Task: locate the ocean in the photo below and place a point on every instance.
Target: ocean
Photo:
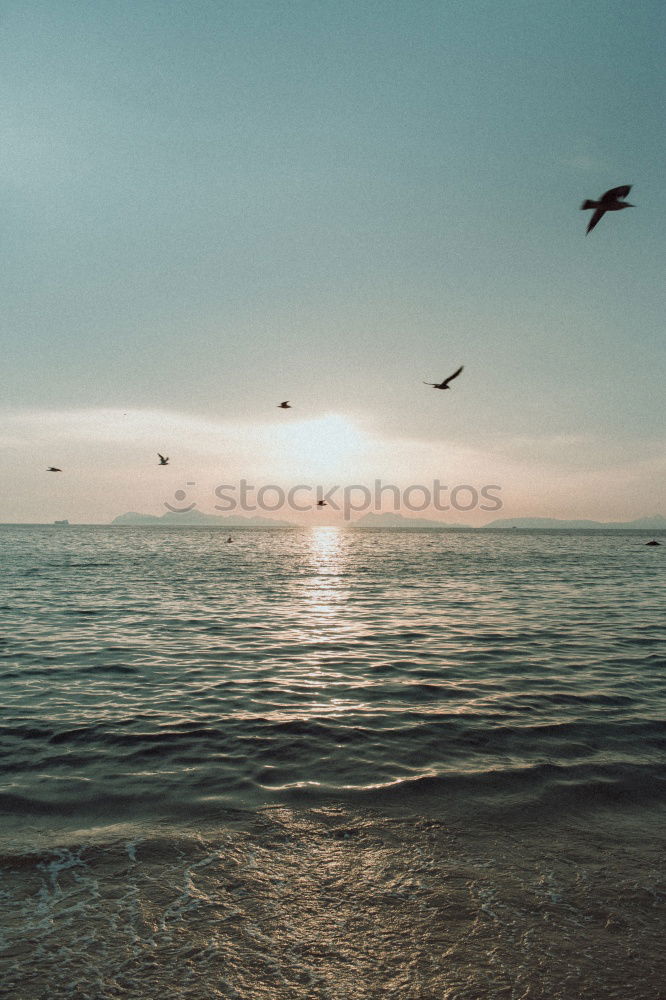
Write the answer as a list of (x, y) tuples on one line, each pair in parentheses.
[(331, 764)]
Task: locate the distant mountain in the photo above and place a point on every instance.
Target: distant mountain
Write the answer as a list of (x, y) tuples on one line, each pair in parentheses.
[(387, 520), (133, 518), (656, 522), (196, 517), (399, 521)]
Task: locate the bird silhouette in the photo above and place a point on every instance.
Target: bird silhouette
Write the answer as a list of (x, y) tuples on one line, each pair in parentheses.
[(52, 468), (163, 460), (445, 383), (653, 542), (611, 201), (284, 406), (229, 539), (321, 503)]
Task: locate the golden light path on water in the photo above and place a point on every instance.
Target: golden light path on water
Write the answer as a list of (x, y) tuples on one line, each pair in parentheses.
[(323, 611), (330, 626)]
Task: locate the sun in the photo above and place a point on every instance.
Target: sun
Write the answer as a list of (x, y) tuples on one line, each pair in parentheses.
[(326, 446)]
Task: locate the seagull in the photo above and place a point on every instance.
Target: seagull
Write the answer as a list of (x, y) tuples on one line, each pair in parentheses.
[(609, 202), (52, 468), (321, 503), (445, 383), (163, 460), (284, 406)]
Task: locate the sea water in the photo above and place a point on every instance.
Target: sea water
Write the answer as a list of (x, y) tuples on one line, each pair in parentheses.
[(331, 764)]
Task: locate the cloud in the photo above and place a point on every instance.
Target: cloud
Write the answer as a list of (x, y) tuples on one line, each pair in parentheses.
[(109, 458)]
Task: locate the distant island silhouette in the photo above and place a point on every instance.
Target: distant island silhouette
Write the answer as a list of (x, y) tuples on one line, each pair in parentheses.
[(390, 520), (195, 517)]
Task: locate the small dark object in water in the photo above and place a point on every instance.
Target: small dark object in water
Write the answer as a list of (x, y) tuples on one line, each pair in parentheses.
[(653, 542)]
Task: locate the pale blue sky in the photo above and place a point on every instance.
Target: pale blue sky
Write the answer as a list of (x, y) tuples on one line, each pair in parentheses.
[(212, 206)]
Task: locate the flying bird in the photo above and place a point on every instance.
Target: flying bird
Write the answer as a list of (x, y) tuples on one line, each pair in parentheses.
[(52, 468), (163, 460), (285, 406), (321, 503), (611, 201), (445, 383)]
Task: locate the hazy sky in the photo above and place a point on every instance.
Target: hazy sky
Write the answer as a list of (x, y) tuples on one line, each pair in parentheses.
[(209, 207)]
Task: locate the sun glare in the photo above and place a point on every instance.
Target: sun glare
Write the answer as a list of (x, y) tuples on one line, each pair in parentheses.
[(326, 446), (325, 545)]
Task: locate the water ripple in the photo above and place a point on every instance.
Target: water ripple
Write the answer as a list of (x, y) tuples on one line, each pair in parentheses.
[(161, 668)]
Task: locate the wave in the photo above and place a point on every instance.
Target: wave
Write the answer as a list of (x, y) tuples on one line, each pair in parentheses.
[(527, 789)]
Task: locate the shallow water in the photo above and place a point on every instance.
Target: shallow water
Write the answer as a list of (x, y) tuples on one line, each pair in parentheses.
[(338, 903), (331, 764)]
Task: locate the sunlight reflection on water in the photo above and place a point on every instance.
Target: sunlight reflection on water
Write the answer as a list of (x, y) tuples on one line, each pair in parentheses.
[(187, 670)]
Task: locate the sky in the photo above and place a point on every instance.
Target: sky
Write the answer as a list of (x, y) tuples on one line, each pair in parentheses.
[(214, 206)]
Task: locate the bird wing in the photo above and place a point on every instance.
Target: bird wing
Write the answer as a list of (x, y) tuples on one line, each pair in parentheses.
[(455, 375), (284, 402), (595, 218), (162, 458), (433, 384), (616, 193)]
